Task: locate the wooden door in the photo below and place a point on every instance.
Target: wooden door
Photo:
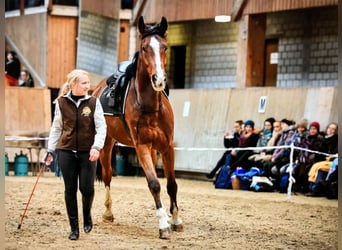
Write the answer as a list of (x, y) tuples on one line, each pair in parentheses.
[(271, 62)]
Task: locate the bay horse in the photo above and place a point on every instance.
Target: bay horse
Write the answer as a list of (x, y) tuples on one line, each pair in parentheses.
[(149, 125)]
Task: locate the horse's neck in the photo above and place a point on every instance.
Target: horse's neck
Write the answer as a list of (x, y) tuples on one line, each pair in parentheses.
[(148, 99)]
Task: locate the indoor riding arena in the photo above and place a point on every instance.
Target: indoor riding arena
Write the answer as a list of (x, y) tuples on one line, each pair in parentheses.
[(198, 68)]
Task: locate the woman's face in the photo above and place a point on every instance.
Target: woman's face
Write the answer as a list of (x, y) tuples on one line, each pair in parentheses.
[(267, 126), (81, 87), (236, 127), (300, 129), (313, 130), (9, 56), (276, 127), (248, 129), (331, 129)]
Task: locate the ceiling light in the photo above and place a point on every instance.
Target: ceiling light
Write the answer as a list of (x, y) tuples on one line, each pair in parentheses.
[(222, 19)]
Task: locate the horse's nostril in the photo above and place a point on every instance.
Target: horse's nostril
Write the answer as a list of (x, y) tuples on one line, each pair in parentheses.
[(154, 78)]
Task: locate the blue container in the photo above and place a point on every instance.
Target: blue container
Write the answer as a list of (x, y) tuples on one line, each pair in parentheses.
[(120, 165), (20, 164), (6, 164)]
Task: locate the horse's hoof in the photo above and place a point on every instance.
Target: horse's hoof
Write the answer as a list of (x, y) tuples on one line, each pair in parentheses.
[(177, 228), (164, 233), (107, 218)]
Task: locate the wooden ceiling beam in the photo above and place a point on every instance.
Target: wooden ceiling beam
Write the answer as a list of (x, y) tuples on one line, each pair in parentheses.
[(238, 6)]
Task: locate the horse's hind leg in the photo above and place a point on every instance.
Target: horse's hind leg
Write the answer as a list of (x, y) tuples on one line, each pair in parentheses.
[(168, 163), (105, 159)]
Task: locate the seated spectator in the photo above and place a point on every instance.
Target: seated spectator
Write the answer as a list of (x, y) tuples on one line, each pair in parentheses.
[(230, 140), (265, 136), (280, 156), (25, 79), (319, 171), (266, 155), (313, 141), (12, 69), (248, 138)]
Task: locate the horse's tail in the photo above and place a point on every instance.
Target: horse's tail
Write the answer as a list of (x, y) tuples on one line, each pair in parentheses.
[(99, 171)]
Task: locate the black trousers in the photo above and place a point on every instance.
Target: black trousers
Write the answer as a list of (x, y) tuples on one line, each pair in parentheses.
[(75, 166)]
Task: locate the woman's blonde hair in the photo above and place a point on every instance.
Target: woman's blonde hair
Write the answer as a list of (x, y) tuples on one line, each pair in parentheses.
[(72, 78)]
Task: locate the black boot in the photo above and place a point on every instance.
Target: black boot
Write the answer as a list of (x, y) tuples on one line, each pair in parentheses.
[(213, 172), (87, 221), (72, 210)]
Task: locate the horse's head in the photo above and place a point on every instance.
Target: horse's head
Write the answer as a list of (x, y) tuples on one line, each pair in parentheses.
[(153, 51)]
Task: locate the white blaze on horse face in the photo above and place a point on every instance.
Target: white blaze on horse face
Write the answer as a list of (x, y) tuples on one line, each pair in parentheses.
[(158, 80)]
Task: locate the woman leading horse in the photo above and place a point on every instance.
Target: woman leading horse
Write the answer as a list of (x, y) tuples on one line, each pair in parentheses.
[(148, 124)]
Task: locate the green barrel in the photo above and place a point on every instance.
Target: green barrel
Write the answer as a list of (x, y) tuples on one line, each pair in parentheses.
[(20, 164), (6, 164), (120, 165)]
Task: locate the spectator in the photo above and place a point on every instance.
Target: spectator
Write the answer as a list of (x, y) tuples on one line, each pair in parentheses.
[(230, 140), (248, 138), (280, 156), (239, 162), (319, 171), (313, 141), (266, 155), (264, 137), (12, 69), (25, 79)]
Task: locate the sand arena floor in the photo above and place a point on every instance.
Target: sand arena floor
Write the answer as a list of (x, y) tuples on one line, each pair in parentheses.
[(213, 219)]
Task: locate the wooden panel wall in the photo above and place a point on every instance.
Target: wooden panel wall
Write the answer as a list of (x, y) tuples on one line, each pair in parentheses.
[(123, 41), (180, 10), (61, 53), (27, 109), (107, 8), (256, 6), (28, 33), (255, 50)]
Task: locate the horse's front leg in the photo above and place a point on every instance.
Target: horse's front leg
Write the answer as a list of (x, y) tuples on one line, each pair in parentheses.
[(168, 158), (105, 159), (145, 158)]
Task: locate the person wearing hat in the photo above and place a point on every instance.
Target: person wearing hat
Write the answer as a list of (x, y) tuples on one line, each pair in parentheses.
[(313, 141), (267, 138), (248, 138)]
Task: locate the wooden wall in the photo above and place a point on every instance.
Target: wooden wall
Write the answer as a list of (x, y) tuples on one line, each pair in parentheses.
[(61, 49), (28, 33), (107, 8), (180, 10), (27, 109), (256, 6)]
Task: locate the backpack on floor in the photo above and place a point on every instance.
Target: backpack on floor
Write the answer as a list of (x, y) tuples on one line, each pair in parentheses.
[(223, 179)]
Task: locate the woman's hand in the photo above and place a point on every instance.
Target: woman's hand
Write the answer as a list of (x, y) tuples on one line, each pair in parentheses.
[(94, 154), (48, 158)]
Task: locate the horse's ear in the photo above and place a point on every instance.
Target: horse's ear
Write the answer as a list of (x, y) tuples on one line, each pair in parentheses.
[(163, 26), (141, 25)]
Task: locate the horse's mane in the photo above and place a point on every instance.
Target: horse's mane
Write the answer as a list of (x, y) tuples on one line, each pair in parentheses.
[(132, 68), (153, 29)]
